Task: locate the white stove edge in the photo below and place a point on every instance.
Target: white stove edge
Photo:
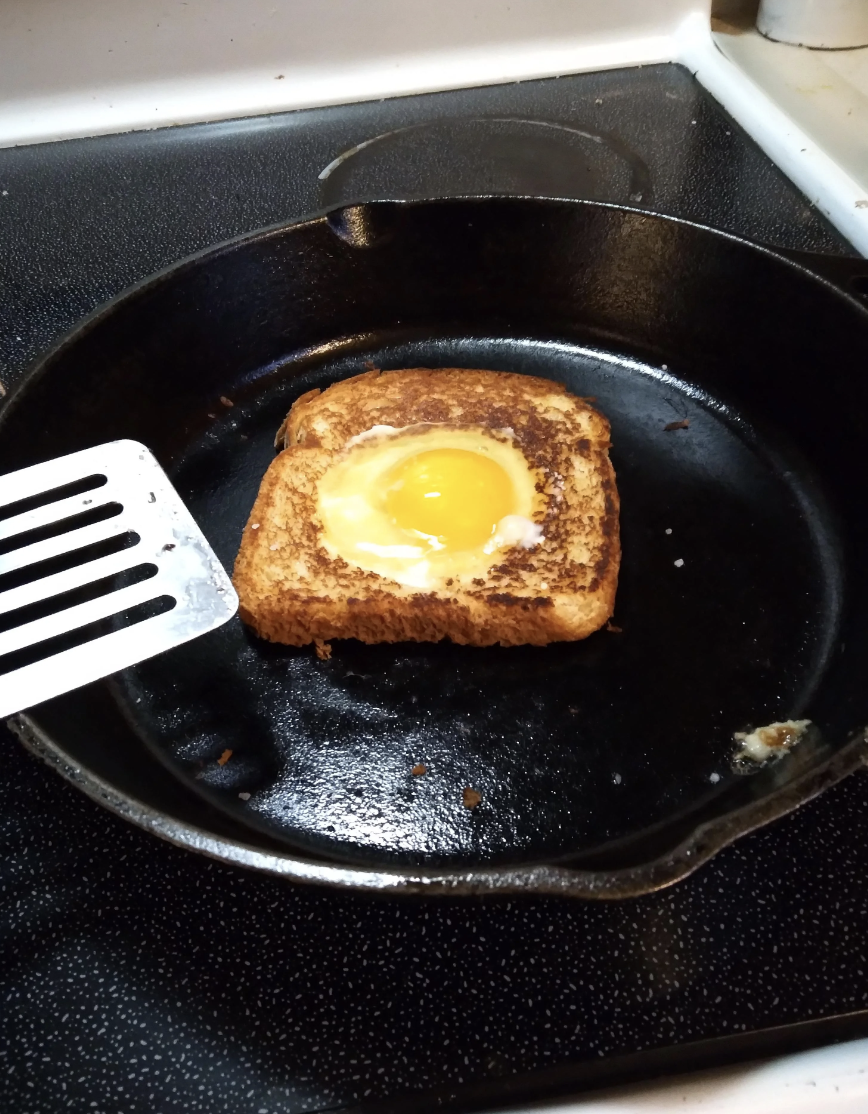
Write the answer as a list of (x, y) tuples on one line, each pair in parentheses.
[(72, 68), (832, 1080), (837, 194), (113, 67)]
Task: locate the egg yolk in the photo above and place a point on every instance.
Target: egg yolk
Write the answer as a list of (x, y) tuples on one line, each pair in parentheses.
[(454, 495)]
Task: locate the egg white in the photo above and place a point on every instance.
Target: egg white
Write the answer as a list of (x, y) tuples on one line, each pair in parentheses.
[(356, 527)]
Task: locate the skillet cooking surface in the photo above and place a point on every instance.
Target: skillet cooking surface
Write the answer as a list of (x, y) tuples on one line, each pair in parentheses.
[(736, 530), (570, 745)]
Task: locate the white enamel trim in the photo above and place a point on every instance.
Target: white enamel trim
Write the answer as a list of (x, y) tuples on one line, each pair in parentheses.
[(837, 194), (832, 1080)]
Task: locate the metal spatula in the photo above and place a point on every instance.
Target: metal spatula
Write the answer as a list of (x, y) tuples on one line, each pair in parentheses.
[(101, 566)]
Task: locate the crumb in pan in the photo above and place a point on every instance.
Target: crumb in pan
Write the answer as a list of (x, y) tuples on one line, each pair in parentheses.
[(769, 743), (471, 797)]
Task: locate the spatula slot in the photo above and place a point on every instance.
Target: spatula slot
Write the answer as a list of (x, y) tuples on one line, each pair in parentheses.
[(132, 616), (69, 560), (92, 591), (64, 526), (44, 498)]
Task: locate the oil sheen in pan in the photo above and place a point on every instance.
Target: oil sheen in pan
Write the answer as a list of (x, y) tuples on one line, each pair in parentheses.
[(570, 747)]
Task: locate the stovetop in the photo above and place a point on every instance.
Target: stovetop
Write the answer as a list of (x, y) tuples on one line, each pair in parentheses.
[(138, 977)]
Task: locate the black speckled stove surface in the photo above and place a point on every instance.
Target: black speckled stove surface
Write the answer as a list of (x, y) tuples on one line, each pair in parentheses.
[(137, 977)]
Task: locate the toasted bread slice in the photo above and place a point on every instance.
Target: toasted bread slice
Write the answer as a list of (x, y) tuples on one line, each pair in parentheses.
[(294, 590)]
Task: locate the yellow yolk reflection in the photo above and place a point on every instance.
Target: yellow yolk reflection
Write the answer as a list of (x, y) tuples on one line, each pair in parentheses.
[(454, 495)]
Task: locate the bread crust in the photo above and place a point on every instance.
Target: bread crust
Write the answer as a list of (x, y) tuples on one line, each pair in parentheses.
[(291, 590)]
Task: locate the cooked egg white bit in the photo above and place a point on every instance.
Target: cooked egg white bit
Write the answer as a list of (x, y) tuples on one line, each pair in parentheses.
[(375, 433), (410, 503), (514, 529), (767, 744)]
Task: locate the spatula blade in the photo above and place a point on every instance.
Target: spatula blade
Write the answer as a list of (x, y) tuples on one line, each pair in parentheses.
[(101, 566)]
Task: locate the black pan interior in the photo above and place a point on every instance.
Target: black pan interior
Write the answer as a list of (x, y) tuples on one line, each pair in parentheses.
[(734, 606)]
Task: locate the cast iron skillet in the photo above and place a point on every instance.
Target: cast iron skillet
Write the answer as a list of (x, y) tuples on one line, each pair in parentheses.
[(604, 766)]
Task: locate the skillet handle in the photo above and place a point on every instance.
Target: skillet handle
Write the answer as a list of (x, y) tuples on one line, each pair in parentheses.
[(849, 273)]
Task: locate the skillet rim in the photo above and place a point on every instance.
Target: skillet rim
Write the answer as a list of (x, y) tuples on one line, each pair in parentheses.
[(702, 844), (801, 261)]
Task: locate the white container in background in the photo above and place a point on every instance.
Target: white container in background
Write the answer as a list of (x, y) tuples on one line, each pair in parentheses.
[(821, 24)]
